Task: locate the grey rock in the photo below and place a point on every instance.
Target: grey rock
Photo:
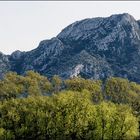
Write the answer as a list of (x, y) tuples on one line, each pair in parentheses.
[(16, 55), (94, 48), (4, 64)]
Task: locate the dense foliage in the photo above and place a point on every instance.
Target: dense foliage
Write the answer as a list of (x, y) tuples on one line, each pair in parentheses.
[(37, 108)]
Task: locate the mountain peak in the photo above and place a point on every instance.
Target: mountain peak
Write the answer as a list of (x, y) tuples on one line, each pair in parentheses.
[(89, 28), (94, 48), (122, 15), (17, 54), (128, 18)]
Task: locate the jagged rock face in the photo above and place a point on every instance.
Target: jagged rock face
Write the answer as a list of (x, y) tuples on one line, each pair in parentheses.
[(94, 48), (16, 55), (4, 64), (44, 56)]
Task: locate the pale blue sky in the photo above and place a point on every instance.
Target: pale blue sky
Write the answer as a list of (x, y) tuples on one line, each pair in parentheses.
[(24, 24)]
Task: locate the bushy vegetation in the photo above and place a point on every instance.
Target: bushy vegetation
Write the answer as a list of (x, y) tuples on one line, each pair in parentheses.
[(33, 107)]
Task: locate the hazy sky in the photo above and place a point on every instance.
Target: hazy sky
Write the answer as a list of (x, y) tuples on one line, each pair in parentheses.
[(24, 24)]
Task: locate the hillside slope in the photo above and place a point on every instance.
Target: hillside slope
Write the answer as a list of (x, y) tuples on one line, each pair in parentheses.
[(94, 48)]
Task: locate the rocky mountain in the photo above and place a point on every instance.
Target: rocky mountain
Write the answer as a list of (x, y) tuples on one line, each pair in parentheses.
[(4, 64), (94, 48)]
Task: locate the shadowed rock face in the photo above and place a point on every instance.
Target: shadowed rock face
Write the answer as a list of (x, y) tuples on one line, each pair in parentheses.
[(4, 64), (94, 48)]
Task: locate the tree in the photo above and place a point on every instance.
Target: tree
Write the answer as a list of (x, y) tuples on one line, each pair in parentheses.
[(71, 114), (79, 84), (120, 90), (35, 84), (76, 112), (11, 86), (115, 122), (56, 83)]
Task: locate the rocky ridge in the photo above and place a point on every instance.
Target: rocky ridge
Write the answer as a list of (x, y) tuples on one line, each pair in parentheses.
[(94, 48)]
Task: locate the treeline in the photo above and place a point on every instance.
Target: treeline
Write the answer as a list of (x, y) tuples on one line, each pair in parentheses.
[(35, 108)]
